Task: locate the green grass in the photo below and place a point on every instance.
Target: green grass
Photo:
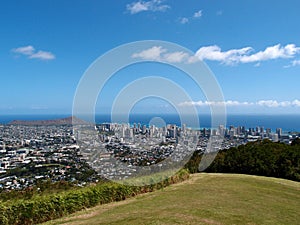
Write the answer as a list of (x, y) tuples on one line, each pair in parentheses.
[(203, 199)]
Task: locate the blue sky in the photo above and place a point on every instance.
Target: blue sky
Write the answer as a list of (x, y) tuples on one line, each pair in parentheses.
[(252, 47)]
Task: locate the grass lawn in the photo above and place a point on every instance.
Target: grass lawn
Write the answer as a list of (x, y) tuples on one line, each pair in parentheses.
[(203, 199)]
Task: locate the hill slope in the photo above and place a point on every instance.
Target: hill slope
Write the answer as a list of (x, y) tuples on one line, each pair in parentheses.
[(204, 199)]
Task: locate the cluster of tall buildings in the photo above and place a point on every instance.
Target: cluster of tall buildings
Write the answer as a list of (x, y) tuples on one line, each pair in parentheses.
[(127, 131), (252, 134)]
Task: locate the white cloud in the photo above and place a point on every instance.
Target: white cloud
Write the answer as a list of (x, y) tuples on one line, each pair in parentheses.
[(176, 57), (293, 63), (273, 103), (198, 14), (42, 55), (296, 63), (137, 7), (263, 103), (229, 57), (141, 6), (214, 103), (192, 59), (184, 20), (215, 53), (26, 50), (273, 52), (296, 102), (243, 55), (153, 53), (158, 53), (33, 54)]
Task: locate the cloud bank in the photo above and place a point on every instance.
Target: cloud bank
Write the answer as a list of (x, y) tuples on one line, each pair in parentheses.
[(264, 103), (229, 57), (246, 55)]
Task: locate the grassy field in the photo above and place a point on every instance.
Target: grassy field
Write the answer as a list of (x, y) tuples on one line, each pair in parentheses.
[(204, 199)]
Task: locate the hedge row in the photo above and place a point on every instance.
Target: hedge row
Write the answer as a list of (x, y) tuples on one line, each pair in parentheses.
[(43, 208)]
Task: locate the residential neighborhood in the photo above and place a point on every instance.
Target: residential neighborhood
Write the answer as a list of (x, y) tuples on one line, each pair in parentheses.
[(29, 153)]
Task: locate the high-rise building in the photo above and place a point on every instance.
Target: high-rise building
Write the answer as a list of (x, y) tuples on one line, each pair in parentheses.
[(268, 132), (183, 128), (144, 129), (262, 130), (279, 132), (221, 130), (274, 137), (172, 130)]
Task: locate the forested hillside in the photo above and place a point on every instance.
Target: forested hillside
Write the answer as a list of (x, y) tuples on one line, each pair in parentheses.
[(264, 158)]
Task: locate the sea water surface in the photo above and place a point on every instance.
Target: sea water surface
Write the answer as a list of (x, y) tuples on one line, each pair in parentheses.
[(286, 122)]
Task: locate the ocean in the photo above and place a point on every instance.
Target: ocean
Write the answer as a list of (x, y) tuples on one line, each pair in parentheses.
[(286, 122)]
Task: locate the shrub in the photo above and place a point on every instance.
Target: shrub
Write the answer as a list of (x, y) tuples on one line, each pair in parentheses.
[(43, 208)]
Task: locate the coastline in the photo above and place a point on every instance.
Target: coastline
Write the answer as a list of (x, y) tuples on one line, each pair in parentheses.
[(288, 122)]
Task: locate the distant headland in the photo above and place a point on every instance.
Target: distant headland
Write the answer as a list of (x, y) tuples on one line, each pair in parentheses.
[(64, 121)]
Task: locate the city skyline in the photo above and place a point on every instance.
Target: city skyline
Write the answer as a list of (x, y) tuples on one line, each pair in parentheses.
[(252, 48)]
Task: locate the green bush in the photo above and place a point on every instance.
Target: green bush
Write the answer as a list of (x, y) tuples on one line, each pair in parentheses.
[(39, 209)]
